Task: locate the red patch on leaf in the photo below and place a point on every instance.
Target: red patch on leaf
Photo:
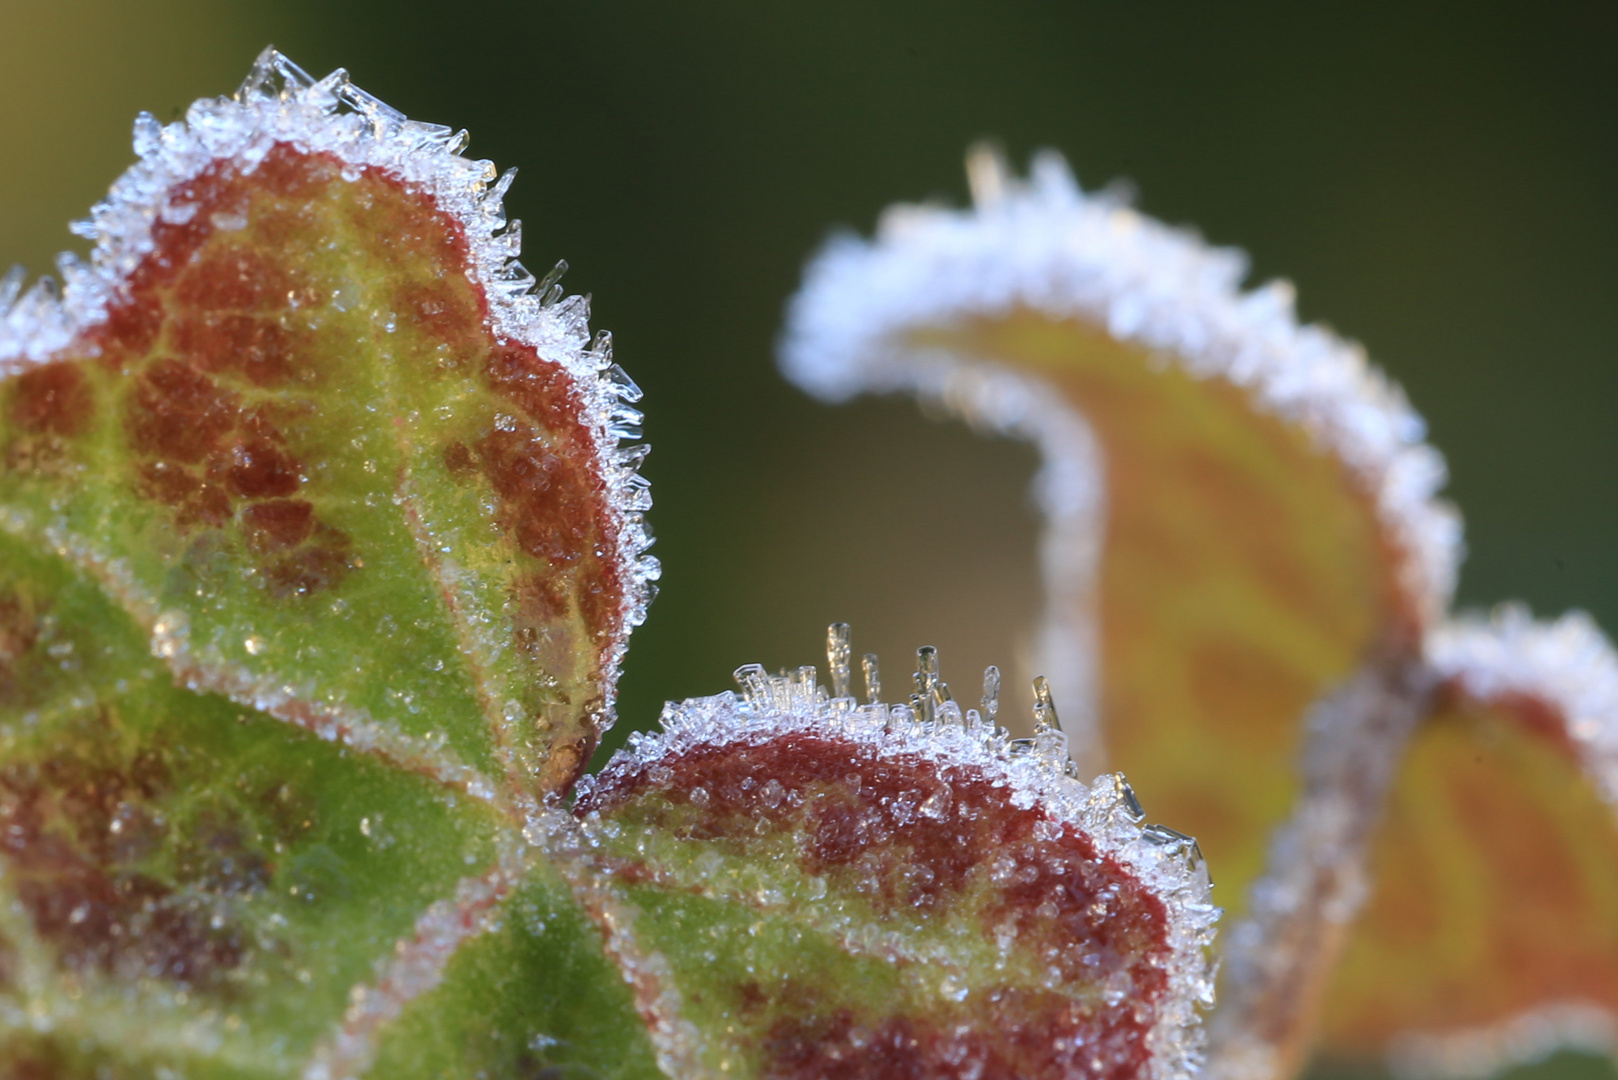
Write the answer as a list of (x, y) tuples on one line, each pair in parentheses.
[(878, 820), (547, 500), (905, 834), (76, 831), (278, 524), (259, 469), (445, 313), (236, 279), (255, 347), (19, 630), (53, 399), (1009, 1035), (180, 415), (319, 564)]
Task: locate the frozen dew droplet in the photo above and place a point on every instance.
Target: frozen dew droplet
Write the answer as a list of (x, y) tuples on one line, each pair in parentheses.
[(255, 645), (839, 649), (873, 679)]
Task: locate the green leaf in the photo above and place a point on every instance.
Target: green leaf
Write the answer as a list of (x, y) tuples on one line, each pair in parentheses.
[(187, 879)]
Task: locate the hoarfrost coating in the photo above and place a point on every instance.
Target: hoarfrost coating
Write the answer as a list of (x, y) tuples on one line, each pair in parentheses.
[(1035, 774), (1046, 245), (280, 103)]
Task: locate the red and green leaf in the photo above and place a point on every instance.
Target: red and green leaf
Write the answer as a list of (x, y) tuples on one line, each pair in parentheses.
[(842, 891), (317, 561)]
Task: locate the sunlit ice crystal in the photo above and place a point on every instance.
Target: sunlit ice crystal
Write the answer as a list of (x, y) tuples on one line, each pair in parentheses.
[(1029, 924)]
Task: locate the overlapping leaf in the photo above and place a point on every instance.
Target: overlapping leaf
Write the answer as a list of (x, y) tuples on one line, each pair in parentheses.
[(1492, 937)]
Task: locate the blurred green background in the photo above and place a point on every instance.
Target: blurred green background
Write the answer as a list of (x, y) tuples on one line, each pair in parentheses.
[(1440, 181)]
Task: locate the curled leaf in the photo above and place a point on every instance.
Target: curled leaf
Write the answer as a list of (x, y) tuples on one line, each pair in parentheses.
[(1240, 522), (842, 890), (1239, 509)]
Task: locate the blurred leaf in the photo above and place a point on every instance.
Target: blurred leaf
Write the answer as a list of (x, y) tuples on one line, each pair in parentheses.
[(1492, 935)]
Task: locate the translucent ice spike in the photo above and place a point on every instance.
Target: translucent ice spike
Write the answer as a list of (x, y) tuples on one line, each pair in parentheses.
[(873, 678), (838, 651), (1044, 707), (991, 694)]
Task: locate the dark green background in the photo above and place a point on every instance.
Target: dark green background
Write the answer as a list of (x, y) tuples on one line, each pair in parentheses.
[(1440, 181)]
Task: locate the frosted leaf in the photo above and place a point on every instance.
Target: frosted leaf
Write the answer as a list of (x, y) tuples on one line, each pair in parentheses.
[(1489, 940), (296, 250), (833, 888), (1241, 528), (318, 559)]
